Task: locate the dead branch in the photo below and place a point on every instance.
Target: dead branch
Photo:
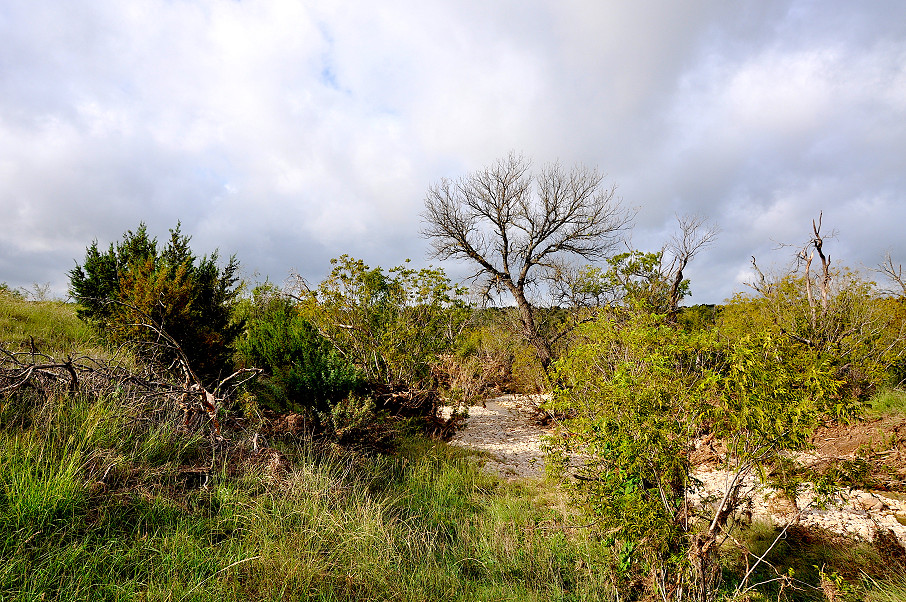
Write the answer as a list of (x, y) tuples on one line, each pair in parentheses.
[(195, 398), (51, 376), (695, 233), (894, 273)]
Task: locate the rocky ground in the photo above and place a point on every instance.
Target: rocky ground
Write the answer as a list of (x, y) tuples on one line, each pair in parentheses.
[(507, 431)]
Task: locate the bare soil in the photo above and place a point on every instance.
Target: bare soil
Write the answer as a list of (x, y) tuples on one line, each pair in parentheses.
[(506, 430)]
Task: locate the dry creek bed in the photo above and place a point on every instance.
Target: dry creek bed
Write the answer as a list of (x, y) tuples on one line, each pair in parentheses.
[(505, 429)]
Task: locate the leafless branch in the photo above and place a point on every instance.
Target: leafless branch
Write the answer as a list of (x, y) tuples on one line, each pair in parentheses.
[(509, 224), (893, 272), (695, 233)]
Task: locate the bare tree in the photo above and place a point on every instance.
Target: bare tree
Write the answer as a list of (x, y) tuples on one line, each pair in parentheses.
[(514, 226), (894, 273), (695, 233), (821, 320)]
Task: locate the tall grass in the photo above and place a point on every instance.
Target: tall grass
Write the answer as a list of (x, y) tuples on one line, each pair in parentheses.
[(886, 402), (321, 524), (893, 592), (51, 325)]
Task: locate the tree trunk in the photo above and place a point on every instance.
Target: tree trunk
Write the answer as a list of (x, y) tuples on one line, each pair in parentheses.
[(527, 316)]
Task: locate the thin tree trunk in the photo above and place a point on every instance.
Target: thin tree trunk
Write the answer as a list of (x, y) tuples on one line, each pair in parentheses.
[(527, 316)]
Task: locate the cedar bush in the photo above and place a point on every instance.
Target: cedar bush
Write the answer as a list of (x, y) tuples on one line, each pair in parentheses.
[(135, 289), (304, 372)]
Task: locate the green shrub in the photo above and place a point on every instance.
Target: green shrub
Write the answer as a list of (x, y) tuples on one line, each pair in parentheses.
[(304, 372), (392, 325), (490, 356), (858, 332), (888, 401), (134, 290), (638, 392)]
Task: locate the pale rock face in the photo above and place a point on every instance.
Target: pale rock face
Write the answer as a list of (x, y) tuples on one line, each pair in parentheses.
[(503, 428)]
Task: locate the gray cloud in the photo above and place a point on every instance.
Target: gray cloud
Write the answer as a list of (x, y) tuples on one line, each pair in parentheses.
[(291, 132)]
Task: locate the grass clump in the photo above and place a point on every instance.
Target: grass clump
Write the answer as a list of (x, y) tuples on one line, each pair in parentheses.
[(888, 402)]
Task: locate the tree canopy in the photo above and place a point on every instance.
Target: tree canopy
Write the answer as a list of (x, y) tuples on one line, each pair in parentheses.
[(518, 228)]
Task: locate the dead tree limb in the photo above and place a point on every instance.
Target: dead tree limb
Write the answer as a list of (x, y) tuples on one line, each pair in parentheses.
[(695, 233), (894, 273)]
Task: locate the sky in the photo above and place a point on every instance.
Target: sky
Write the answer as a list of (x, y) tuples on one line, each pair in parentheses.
[(291, 132)]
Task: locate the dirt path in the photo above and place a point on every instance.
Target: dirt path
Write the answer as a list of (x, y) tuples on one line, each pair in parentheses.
[(504, 429)]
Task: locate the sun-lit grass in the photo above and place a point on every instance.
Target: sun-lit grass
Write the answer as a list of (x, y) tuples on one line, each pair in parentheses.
[(424, 523), (888, 401), (52, 325)]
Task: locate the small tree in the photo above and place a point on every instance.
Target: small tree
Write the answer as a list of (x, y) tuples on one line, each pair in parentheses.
[(894, 307), (134, 290), (391, 325), (695, 233), (303, 371), (655, 281), (633, 280), (894, 274), (639, 392), (516, 228)]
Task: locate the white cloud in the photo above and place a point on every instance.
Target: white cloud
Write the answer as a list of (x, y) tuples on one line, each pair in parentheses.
[(292, 131)]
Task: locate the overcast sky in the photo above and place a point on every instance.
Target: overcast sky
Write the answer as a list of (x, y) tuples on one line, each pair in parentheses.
[(290, 132)]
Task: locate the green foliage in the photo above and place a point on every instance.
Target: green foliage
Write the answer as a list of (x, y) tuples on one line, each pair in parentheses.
[(391, 325), (699, 317), (639, 280), (304, 372), (634, 279), (888, 401), (6, 291), (135, 288), (859, 333), (806, 559), (351, 416), (637, 392), (637, 396), (892, 340), (490, 356)]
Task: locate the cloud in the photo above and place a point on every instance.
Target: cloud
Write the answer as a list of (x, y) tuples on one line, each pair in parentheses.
[(290, 132)]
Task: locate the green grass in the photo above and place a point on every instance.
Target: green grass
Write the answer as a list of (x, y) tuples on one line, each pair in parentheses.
[(863, 571), (887, 402), (891, 592), (425, 523), (52, 325)]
